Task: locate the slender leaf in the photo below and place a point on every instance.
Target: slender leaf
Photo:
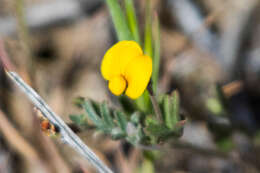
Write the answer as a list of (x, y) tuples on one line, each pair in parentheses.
[(167, 111), (148, 44), (121, 120), (132, 20), (135, 118), (105, 113), (117, 133), (119, 20), (92, 114), (160, 133), (143, 102), (78, 119), (175, 108), (156, 57)]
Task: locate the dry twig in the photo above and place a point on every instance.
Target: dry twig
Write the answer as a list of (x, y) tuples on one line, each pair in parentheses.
[(67, 134)]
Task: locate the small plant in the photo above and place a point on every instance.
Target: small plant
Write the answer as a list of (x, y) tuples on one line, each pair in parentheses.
[(134, 126), (145, 117)]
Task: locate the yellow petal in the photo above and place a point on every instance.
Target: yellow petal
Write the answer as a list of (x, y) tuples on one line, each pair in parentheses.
[(138, 73), (117, 58), (117, 85)]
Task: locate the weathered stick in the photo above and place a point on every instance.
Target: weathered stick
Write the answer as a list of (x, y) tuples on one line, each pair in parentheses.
[(67, 134)]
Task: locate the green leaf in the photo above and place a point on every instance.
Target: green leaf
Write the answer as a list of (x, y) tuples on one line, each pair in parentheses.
[(132, 20), (135, 118), (105, 114), (158, 130), (171, 110), (117, 133), (96, 107), (78, 119), (134, 133), (156, 57), (167, 111), (148, 42), (121, 120), (119, 20), (92, 113), (143, 102), (175, 108)]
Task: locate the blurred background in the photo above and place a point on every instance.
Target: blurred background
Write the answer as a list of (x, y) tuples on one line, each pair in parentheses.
[(210, 52)]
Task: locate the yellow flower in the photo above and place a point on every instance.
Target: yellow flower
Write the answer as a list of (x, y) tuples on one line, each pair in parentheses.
[(127, 69)]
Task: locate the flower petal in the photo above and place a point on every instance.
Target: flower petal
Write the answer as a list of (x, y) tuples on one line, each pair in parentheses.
[(117, 58), (138, 73), (117, 85)]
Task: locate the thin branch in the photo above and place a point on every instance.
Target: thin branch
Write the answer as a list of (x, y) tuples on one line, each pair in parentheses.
[(67, 134)]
